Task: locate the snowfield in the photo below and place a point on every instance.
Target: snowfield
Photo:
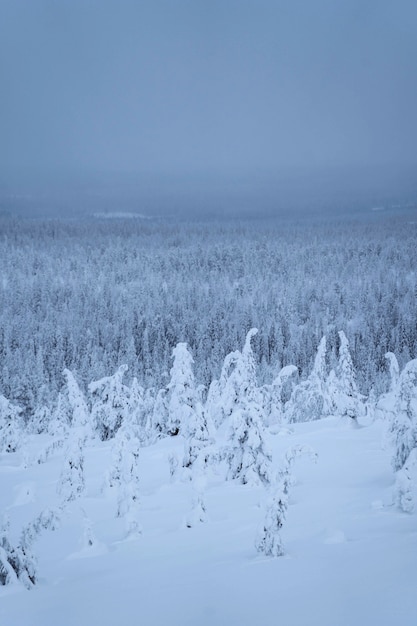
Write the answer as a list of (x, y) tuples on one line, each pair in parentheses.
[(350, 555)]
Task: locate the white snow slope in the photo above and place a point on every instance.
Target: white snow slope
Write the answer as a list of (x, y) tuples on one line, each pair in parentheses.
[(351, 556)]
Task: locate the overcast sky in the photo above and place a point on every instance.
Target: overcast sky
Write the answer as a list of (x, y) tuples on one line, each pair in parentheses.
[(207, 86)]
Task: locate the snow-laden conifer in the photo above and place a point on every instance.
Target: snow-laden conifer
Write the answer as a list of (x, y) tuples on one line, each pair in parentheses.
[(272, 403), (18, 563), (178, 408), (345, 399), (403, 425), (402, 435), (185, 411), (140, 407), (71, 482), (60, 421), (198, 512), (124, 477), (218, 401), (183, 404), (246, 451), (11, 426), (157, 424), (269, 540), (80, 415), (394, 370), (309, 400), (248, 455), (71, 408), (385, 405), (404, 483), (110, 403), (237, 381)]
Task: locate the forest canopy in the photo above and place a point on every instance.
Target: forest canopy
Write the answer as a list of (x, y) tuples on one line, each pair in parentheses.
[(92, 294)]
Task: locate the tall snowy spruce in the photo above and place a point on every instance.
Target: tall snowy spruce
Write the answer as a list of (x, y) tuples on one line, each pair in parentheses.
[(71, 482), (403, 435), (247, 453), (178, 409), (185, 414), (394, 370), (80, 415), (272, 402), (219, 399), (385, 403), (11, 426), (110, 403), (345, 399), (269, 540), (237, 381), (124, 476), (141, 403), (71, 409), (309, 400)]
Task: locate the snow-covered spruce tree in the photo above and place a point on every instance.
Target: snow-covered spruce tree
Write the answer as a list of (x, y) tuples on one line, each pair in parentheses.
[(345, 399), (198, 513), (178, 409), (394, 370), (141, 403), (89, 539), (404, 484), (218, 401), (18, 563), (242, 381), (71, 482), (11, 427), (184, 408), (41, 421), (385, 405), (247, 454), (402, 433), (60, 421), (198, 434), (403, 426), (246, 451), (269, 540), (157, 424), (171, 402), (309, 400), (272, 404), (80, 415), (185, 411), (71, 409), (125, 476), (110, 403), (237, 381)]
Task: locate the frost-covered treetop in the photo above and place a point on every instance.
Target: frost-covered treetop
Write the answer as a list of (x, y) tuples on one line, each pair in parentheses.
[(182, 369), (101, 387)]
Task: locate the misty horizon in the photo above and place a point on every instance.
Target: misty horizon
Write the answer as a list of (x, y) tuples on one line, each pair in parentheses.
[(271, 101)]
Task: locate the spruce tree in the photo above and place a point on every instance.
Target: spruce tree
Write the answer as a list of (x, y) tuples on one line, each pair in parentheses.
[(110, 403), (11, 426)]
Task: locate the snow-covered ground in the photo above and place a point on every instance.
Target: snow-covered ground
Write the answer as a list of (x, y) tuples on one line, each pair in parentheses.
[(350, 554)]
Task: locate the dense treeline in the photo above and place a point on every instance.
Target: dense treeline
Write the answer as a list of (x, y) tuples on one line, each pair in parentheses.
[(89, 295)]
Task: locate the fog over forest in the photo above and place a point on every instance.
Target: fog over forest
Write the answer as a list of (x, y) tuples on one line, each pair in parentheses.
[(173, 106)]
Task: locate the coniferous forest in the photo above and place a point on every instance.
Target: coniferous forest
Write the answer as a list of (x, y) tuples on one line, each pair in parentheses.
[(92, 294)]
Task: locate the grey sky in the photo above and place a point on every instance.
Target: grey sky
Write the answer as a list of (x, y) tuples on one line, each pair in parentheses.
[(219, 86)]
